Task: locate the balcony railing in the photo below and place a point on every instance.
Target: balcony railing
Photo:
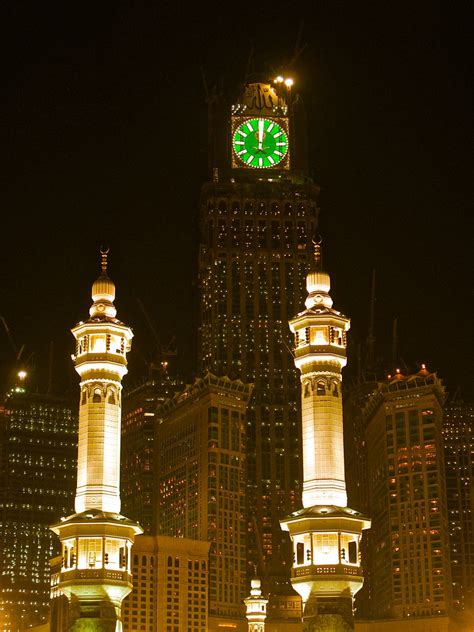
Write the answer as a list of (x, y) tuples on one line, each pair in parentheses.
[(95, 574), (316, 569)]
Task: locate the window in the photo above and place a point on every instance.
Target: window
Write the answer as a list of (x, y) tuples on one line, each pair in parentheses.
[(300, 553)]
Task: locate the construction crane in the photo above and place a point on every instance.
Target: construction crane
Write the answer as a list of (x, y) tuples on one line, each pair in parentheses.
[(163, 354)]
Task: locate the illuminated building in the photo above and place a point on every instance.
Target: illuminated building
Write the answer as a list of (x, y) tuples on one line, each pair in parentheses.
[(137, 458), (170, 586), (38, 449), (200, 467), (409, 566), (256, 607), (325, 533), (458, 433), (96, 541), (257, 216)]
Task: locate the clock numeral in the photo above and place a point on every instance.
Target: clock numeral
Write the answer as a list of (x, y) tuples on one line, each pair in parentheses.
[(241, 142), (260, 162), (242, 151), (239, 131), (281, 144), (278, 153), (249, 159), (278, 134), (249, 125), (270, 160)]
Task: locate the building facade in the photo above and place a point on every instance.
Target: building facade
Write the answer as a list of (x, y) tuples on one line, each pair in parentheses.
[(137, 481), (170, 585), (410, 568), (38, 452), (200, 452), (258, 214), (458, 433)]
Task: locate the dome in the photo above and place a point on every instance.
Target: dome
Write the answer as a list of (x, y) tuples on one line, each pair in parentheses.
[(103, 293), (103, 289), (318, 281), (255, 582)]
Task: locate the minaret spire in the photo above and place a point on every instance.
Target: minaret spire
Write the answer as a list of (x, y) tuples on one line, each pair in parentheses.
[(318, 260), (325, 533), (104, 251)]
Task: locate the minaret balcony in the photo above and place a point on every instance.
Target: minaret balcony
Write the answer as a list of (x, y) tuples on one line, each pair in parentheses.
[(95, 575), (325, 349), (330, 570), (102, 356)]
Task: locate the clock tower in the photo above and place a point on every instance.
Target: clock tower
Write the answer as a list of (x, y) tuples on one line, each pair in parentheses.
[(258, 213)]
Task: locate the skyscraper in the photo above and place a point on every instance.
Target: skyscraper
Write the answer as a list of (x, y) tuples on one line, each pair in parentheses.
[(458, 434), (38, 451), (200, 479), (257, 217), (410, 570), (95, 573), (137, 480), (325, 533)]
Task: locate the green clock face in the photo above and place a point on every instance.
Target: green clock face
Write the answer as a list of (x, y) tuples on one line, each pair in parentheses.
[(260, 143)]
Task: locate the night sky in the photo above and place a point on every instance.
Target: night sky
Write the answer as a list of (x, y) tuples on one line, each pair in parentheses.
[(103, 137)]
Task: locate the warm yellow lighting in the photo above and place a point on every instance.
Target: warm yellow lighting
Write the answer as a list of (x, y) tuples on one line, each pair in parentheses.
[(289, 83), (278, 79), (22, 375)]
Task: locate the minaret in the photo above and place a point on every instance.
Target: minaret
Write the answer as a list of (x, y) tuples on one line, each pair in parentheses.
[(95, 571), (256, 607), (325, 533)]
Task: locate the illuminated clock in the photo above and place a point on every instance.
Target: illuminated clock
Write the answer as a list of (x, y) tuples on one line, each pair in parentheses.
[(260, 143)]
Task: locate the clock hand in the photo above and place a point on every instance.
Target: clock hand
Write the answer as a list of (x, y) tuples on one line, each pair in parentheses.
[(260, 133)]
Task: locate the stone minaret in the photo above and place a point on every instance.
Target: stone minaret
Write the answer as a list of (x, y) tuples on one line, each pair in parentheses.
[(325, 533), (256, 607), (95, 571)]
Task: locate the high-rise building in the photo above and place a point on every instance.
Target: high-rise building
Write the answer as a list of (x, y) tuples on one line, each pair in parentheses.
[(257, 218), (95, 573), (170, 585), (458, 433), (137, 458), (409, 566), (355, 399), (325, 533), (38, 451), (200, 480)]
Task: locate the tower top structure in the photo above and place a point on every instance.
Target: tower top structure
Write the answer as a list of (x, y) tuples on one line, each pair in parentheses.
[(103, 292), (256, 607)]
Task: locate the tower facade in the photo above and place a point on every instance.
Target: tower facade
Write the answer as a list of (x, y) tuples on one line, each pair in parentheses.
[(325, 533), (257, 215), (95, 574), (137, 480), (410, 571), (38, 445), (458, 434), (200, 480)]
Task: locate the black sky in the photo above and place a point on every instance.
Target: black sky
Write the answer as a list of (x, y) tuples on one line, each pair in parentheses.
[(103, 135)]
